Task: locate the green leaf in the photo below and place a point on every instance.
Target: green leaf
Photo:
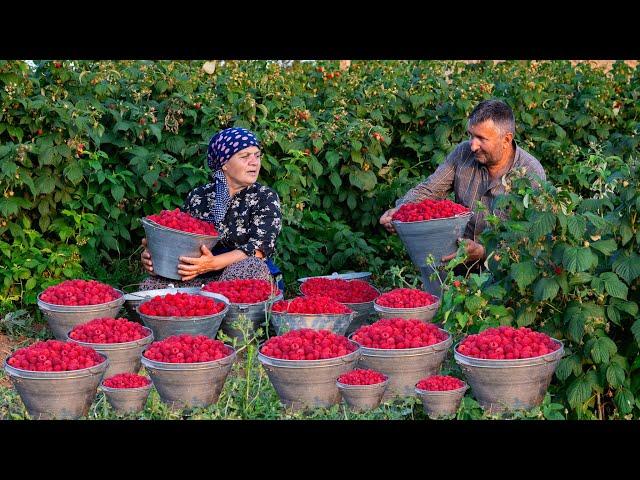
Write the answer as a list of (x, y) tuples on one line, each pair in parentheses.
[(335, 180), (624, 400), (31, 283), (74, 172), (45, 184), (546, 289), (332, 158), (614, 286), (579, 391), (524, 273), (473, 303), (117, 191), (605, 246), (635, 329), (577, 226), (615, 375), (567, 366), (575, 318), (625, 306), (627, 266), (156, 130), (363, 180), (578, 259), (151, 177), (543, 224), (526, 317), (613, 314), (580, 278), (315, 167), (602, 350), (597, 221)]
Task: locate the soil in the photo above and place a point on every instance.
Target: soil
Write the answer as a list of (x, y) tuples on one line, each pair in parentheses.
[(7, 345)]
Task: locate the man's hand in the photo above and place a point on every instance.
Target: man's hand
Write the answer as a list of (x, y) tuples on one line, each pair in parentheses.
[(385, 219), (190, 267), (145, 258), (475, 251)]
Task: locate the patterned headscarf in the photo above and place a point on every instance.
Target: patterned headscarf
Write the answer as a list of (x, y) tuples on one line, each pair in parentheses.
[(222, 146)]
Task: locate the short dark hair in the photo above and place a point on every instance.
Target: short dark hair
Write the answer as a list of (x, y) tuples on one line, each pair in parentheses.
[(495, 110)]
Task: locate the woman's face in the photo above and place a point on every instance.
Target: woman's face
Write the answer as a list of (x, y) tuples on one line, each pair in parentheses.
[(243, 167)]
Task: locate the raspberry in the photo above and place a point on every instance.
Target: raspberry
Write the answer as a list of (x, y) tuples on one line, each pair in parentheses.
[(79, 292), (343, 291), (243, 291), (398, 333), (183, 222), (507, 343), (108, 330), (311, 305), (362, 377), (405, 298), (50, 355), (440, 383), (181, 305), (126, 380), (307, 342), (179, 348), (428, 210)]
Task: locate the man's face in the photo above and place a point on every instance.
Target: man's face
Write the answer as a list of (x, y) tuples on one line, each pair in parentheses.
[(487, 144)]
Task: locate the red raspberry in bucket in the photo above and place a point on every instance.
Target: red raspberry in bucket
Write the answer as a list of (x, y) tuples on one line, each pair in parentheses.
[(108, 330), (394, 333), (362, 377), (54, 356), (187, 349), (79, 292), (126, 380), (507, 343), (440, 383), (184, 222), (181, 305), (243, 291), (307, 344), (343, 291), (428, 210), (406, 298), (316, 304)]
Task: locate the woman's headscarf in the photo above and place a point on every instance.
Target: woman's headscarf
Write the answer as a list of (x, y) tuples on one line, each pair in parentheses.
[(222, 146)]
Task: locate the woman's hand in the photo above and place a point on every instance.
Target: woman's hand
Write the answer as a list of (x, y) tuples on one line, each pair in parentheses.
[(475, 251), (190, 267), (145, 258), (385, 220)]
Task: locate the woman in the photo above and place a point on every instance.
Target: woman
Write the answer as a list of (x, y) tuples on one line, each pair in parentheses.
[(245, 213)]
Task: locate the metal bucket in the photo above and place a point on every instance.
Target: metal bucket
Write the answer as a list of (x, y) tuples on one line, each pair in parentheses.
[(362, 397), (134, 299), (308, 383), (361, 311), (186, 385), (123, 357), (57, 395), (256, 313), (424, 314), (207, 325), (438, 404), (127, 400), (167, 245), (62, 318), (405, 366), (285, 322), (501, 385), (438, 237)]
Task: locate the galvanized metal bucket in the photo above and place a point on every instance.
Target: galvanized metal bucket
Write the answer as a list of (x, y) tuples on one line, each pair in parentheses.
[(62, 318), (134, 299), (361, 311), (424, 314), (437, 237), (57, 395), (285, 322), (501, 385), (127, 400), (362, 397), (187, 385), (304, 384), (123, 357), (405, 366), (167, 245), (256, 313), (164, 327), (439, 404)]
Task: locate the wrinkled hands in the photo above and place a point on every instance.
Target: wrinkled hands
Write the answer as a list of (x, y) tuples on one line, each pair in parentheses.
[(385, 220), (475, 251), (190, 267), (145, 258)]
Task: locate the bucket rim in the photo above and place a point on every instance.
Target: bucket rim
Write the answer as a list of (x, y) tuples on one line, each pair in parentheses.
[(373, 386), (139, 296), (336, 275), (153, 224), (432, 306), (336, 315), (206, 293), (40, 375), (117, 345), (347, 303), (112, 390), (156, 318), (513, 362)]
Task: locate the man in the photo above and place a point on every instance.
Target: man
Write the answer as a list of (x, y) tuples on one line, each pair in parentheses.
[(475, 170)]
